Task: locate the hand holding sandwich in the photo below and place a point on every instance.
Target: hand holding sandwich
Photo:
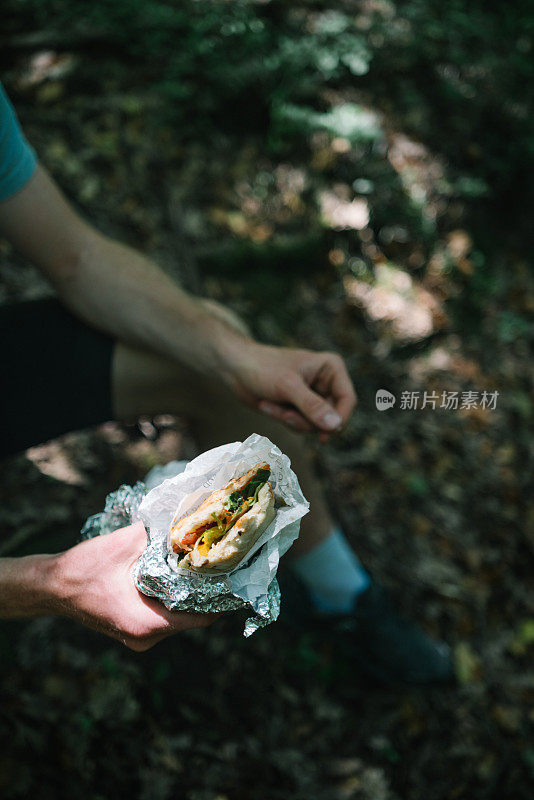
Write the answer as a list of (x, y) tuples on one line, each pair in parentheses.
[(99, 592)]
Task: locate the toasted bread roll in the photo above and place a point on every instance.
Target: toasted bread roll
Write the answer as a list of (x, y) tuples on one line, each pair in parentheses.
[(225, 554), (185, 533)]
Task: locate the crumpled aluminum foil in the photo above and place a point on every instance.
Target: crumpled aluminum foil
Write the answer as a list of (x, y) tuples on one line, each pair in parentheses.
[(121, 509), (252, 584)]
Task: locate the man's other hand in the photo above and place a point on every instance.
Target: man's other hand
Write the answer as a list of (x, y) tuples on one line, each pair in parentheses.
[(306, 390)]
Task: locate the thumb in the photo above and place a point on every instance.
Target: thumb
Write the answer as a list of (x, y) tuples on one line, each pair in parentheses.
[(314, 407), (126, 541)]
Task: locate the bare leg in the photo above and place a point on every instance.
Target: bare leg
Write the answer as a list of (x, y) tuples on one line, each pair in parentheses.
[(144, 383)]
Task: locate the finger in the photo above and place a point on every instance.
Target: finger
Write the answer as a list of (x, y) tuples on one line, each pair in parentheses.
[(343, 409), (142, 645), (190, 620), (297, 422), (345, 399), (312, 406), (340, 389), (123, 546), (288, 416), (185, 620), (274, 410), (133, 537)]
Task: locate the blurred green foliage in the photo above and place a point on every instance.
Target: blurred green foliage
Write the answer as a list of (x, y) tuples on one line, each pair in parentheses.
[(458, 76), (218, 59), (463, 68)]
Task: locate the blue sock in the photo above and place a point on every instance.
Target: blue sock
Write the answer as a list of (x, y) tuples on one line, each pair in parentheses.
[(332, 574)]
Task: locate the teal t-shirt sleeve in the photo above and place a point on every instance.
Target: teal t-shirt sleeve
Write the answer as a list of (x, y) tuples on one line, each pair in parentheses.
[(17, 158)]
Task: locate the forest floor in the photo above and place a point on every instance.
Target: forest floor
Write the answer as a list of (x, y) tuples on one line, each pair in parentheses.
[(437, 502)]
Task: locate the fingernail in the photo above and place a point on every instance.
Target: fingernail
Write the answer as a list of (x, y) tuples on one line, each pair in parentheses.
[(331, 421), (267, 408)]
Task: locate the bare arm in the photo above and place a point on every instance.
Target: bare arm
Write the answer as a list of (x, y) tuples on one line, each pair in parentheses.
[(25, 586), (118, 290)]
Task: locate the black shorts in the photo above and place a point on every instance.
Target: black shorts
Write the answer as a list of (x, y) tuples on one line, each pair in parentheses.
[(56, 374)]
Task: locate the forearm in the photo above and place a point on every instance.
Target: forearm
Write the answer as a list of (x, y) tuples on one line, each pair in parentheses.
[(112, 286), (28, 586), (125, 294)]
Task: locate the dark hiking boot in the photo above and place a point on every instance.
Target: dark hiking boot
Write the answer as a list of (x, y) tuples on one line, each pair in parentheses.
[(374, 636)]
